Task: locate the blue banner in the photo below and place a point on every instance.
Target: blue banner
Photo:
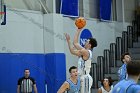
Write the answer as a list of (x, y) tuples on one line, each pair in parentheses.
[(69, 7), (105, 9)]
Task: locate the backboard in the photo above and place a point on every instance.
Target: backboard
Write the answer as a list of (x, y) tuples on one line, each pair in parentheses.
[(2, 13)]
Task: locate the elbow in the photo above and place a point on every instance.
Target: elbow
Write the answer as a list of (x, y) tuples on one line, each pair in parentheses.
[(72, 52)]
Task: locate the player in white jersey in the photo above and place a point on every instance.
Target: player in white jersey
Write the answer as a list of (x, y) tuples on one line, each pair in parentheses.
[(107, 86), (85, 56)]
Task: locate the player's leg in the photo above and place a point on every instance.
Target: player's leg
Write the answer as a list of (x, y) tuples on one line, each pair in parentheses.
[(90, 82), (82, 90)]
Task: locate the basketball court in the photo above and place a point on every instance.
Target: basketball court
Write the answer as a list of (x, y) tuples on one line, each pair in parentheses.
[(32, 37)]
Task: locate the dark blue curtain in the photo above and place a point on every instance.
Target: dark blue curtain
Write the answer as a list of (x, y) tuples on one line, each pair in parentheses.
[(69, 7), (105, 9)]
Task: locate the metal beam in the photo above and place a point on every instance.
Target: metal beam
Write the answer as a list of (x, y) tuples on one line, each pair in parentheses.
[(44, 6)]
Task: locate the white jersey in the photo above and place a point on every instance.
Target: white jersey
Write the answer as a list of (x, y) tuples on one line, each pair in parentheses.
[(84, 65), (104, 91)]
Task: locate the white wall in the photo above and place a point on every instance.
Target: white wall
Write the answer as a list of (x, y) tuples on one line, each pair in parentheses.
[(23, 32), (53, 33)]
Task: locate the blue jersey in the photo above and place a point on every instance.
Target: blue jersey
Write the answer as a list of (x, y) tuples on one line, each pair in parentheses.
[(126, 86), (134, 89), (122, 72), (74, 88)]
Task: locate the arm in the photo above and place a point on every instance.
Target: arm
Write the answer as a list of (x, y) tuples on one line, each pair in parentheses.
[(75, 42), (34, 85), (18, 89), (64, 87), (99, 90), (72, 50), (35, 88), (83, 52)]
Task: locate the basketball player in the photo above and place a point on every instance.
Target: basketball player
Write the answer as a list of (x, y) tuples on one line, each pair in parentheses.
[(107, 86), (72, 85), (129, 85), (85, 57), (122, 72)]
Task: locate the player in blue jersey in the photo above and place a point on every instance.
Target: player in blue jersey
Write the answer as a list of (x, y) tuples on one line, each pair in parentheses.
[(72, 85), (122, 73), (129, 85)]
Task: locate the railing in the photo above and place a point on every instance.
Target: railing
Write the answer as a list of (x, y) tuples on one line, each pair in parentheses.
[(124, 42), (94, 75), (106, 61), (135, 30), (130, 36), (100, 68), (118, 48), (112, 61)]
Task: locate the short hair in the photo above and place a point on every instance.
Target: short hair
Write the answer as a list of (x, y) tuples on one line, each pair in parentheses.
[(73, 67), (93, 42), (109, 79), (123, 55), (26, 69), (133, 68)]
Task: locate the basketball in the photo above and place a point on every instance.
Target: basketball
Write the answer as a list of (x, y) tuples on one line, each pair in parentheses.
[(80, 22)]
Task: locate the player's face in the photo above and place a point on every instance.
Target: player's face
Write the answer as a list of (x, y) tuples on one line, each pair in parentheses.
[(74, 73), (127, 58), (27, 73), (106, 82), (87, 44)]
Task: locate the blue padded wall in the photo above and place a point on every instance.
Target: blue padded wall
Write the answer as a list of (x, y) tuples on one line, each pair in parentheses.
[(12, 67), (56, 71)]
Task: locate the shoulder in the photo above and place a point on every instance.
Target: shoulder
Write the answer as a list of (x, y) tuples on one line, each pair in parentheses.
[(66, 84), (118, 84), (122, 67), (83, 50), (31, 78), (135, 88), (20, 79)]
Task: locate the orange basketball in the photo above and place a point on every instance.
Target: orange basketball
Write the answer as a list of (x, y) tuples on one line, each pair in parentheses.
[(80, 22)]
